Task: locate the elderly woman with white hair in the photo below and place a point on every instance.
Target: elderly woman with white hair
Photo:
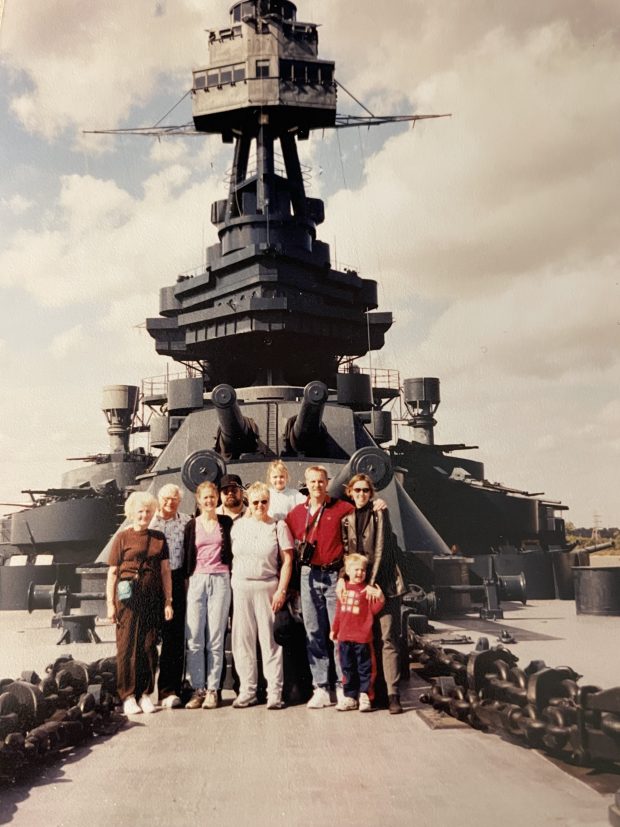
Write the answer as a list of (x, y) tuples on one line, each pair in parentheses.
[(263, 554), (171, 522), (139, 597)]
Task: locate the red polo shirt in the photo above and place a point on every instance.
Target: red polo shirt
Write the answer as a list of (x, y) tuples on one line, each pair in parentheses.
[(328, 535)]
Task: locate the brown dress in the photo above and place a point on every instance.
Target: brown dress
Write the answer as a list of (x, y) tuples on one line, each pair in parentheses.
[(138, 622)]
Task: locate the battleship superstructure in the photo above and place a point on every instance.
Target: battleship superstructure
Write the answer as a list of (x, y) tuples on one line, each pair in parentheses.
[(268, 333)]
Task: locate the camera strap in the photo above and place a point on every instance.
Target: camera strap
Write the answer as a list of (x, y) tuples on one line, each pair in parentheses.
[(312, 525)]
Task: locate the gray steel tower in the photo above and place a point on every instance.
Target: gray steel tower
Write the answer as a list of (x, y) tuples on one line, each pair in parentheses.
[(269, 308)]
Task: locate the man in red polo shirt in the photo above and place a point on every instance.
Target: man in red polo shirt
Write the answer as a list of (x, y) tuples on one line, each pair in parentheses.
[(317, 522)]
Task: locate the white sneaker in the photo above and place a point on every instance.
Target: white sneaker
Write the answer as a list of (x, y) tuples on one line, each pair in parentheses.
[(364, 704), (211, 700), (244, 701), (130, 706), (275, 703), (171, 702), (146, 704), (339, 694), (347, 704), (319, 699)]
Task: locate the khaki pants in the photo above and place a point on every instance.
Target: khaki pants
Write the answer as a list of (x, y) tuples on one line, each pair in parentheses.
[(252, 620)]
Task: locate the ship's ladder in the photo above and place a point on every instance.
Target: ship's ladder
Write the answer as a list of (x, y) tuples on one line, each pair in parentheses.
[(272, 427)]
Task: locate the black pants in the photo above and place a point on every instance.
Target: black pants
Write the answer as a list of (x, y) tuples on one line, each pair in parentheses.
[(356, 665), (172, 659)]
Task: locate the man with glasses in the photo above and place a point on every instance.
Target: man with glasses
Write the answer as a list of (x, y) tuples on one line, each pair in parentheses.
[(171, 523), (231, 497)]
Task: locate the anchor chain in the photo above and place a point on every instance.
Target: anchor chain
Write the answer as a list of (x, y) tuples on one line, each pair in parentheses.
[(542, 706)]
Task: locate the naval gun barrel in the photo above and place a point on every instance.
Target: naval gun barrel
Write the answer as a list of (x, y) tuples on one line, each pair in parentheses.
[(237, 435), (598, 546), (306, 430)]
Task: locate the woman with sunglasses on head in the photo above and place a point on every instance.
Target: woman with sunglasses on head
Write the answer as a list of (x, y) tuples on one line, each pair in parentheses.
[(208, 558), (369, 532), (263, 552)]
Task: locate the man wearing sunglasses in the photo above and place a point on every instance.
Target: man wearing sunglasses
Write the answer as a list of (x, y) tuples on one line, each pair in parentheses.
[(231, 497)]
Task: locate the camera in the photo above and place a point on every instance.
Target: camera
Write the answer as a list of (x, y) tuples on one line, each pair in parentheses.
[(306, 552)]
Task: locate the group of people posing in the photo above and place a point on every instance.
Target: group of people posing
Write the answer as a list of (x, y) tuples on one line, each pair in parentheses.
[(174, 576)]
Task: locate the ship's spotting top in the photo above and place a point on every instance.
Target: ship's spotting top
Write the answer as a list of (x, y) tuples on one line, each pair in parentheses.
[(279, 8), (264, 62)]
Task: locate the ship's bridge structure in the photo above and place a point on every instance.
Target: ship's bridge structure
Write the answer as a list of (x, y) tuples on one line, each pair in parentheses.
[(269, 309)]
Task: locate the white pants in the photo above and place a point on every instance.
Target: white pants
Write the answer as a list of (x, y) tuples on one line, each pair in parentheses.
[(252, 619)]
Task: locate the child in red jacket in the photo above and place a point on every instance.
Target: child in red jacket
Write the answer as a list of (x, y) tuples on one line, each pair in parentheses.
[(352, 629)]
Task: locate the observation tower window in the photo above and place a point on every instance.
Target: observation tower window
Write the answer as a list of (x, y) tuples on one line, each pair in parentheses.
[(312, 73), (301, 32), (297, 71), (282, 7), (252, 8), (223, 75), (242, 10), (262, 68)]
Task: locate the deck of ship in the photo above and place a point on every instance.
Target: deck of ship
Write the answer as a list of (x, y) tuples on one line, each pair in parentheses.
[(320, 767)]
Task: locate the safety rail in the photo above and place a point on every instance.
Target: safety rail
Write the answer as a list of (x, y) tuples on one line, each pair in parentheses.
[(379, 377), (157, 386)]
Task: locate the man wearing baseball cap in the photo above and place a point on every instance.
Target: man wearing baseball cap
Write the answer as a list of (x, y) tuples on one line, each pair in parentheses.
[(231, 497)]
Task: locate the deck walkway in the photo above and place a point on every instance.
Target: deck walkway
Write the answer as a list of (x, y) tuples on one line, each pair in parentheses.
[(299, 767)]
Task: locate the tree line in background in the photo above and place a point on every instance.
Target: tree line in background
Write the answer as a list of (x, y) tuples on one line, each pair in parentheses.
[(591, 536)]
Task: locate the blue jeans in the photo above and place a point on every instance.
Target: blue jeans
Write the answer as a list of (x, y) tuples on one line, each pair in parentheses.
[(356, 661), (318, 606), (208, 605)]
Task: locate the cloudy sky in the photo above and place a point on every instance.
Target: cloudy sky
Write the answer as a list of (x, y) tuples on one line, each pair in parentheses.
[(494, 234)]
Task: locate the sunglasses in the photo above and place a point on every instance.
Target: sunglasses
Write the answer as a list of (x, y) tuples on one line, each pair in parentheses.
[(361, 490), (260, 502), (230, 488)]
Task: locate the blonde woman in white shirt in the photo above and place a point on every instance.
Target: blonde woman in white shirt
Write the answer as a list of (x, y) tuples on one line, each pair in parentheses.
[(263, 554)]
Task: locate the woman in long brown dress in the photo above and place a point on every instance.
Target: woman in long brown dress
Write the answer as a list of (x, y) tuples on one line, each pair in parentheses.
[(138, 555)]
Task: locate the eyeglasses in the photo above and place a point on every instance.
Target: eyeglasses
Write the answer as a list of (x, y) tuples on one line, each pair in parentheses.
[(361, 490), (230, 488), (260, 502)]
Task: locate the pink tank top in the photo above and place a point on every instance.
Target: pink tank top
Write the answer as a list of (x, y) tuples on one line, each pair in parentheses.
[(209, 550)]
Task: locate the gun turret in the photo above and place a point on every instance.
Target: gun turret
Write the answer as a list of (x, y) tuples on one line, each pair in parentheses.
[(304, 432), (369, 460), (237, 434)]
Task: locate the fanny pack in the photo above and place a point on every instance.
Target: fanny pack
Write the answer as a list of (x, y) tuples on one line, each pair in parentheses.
[(124, 588)]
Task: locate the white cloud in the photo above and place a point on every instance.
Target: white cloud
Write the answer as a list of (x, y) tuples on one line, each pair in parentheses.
[(89, 65), (17, 204), (68, 342), (97, 239), (494, 234), (168, 151)]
